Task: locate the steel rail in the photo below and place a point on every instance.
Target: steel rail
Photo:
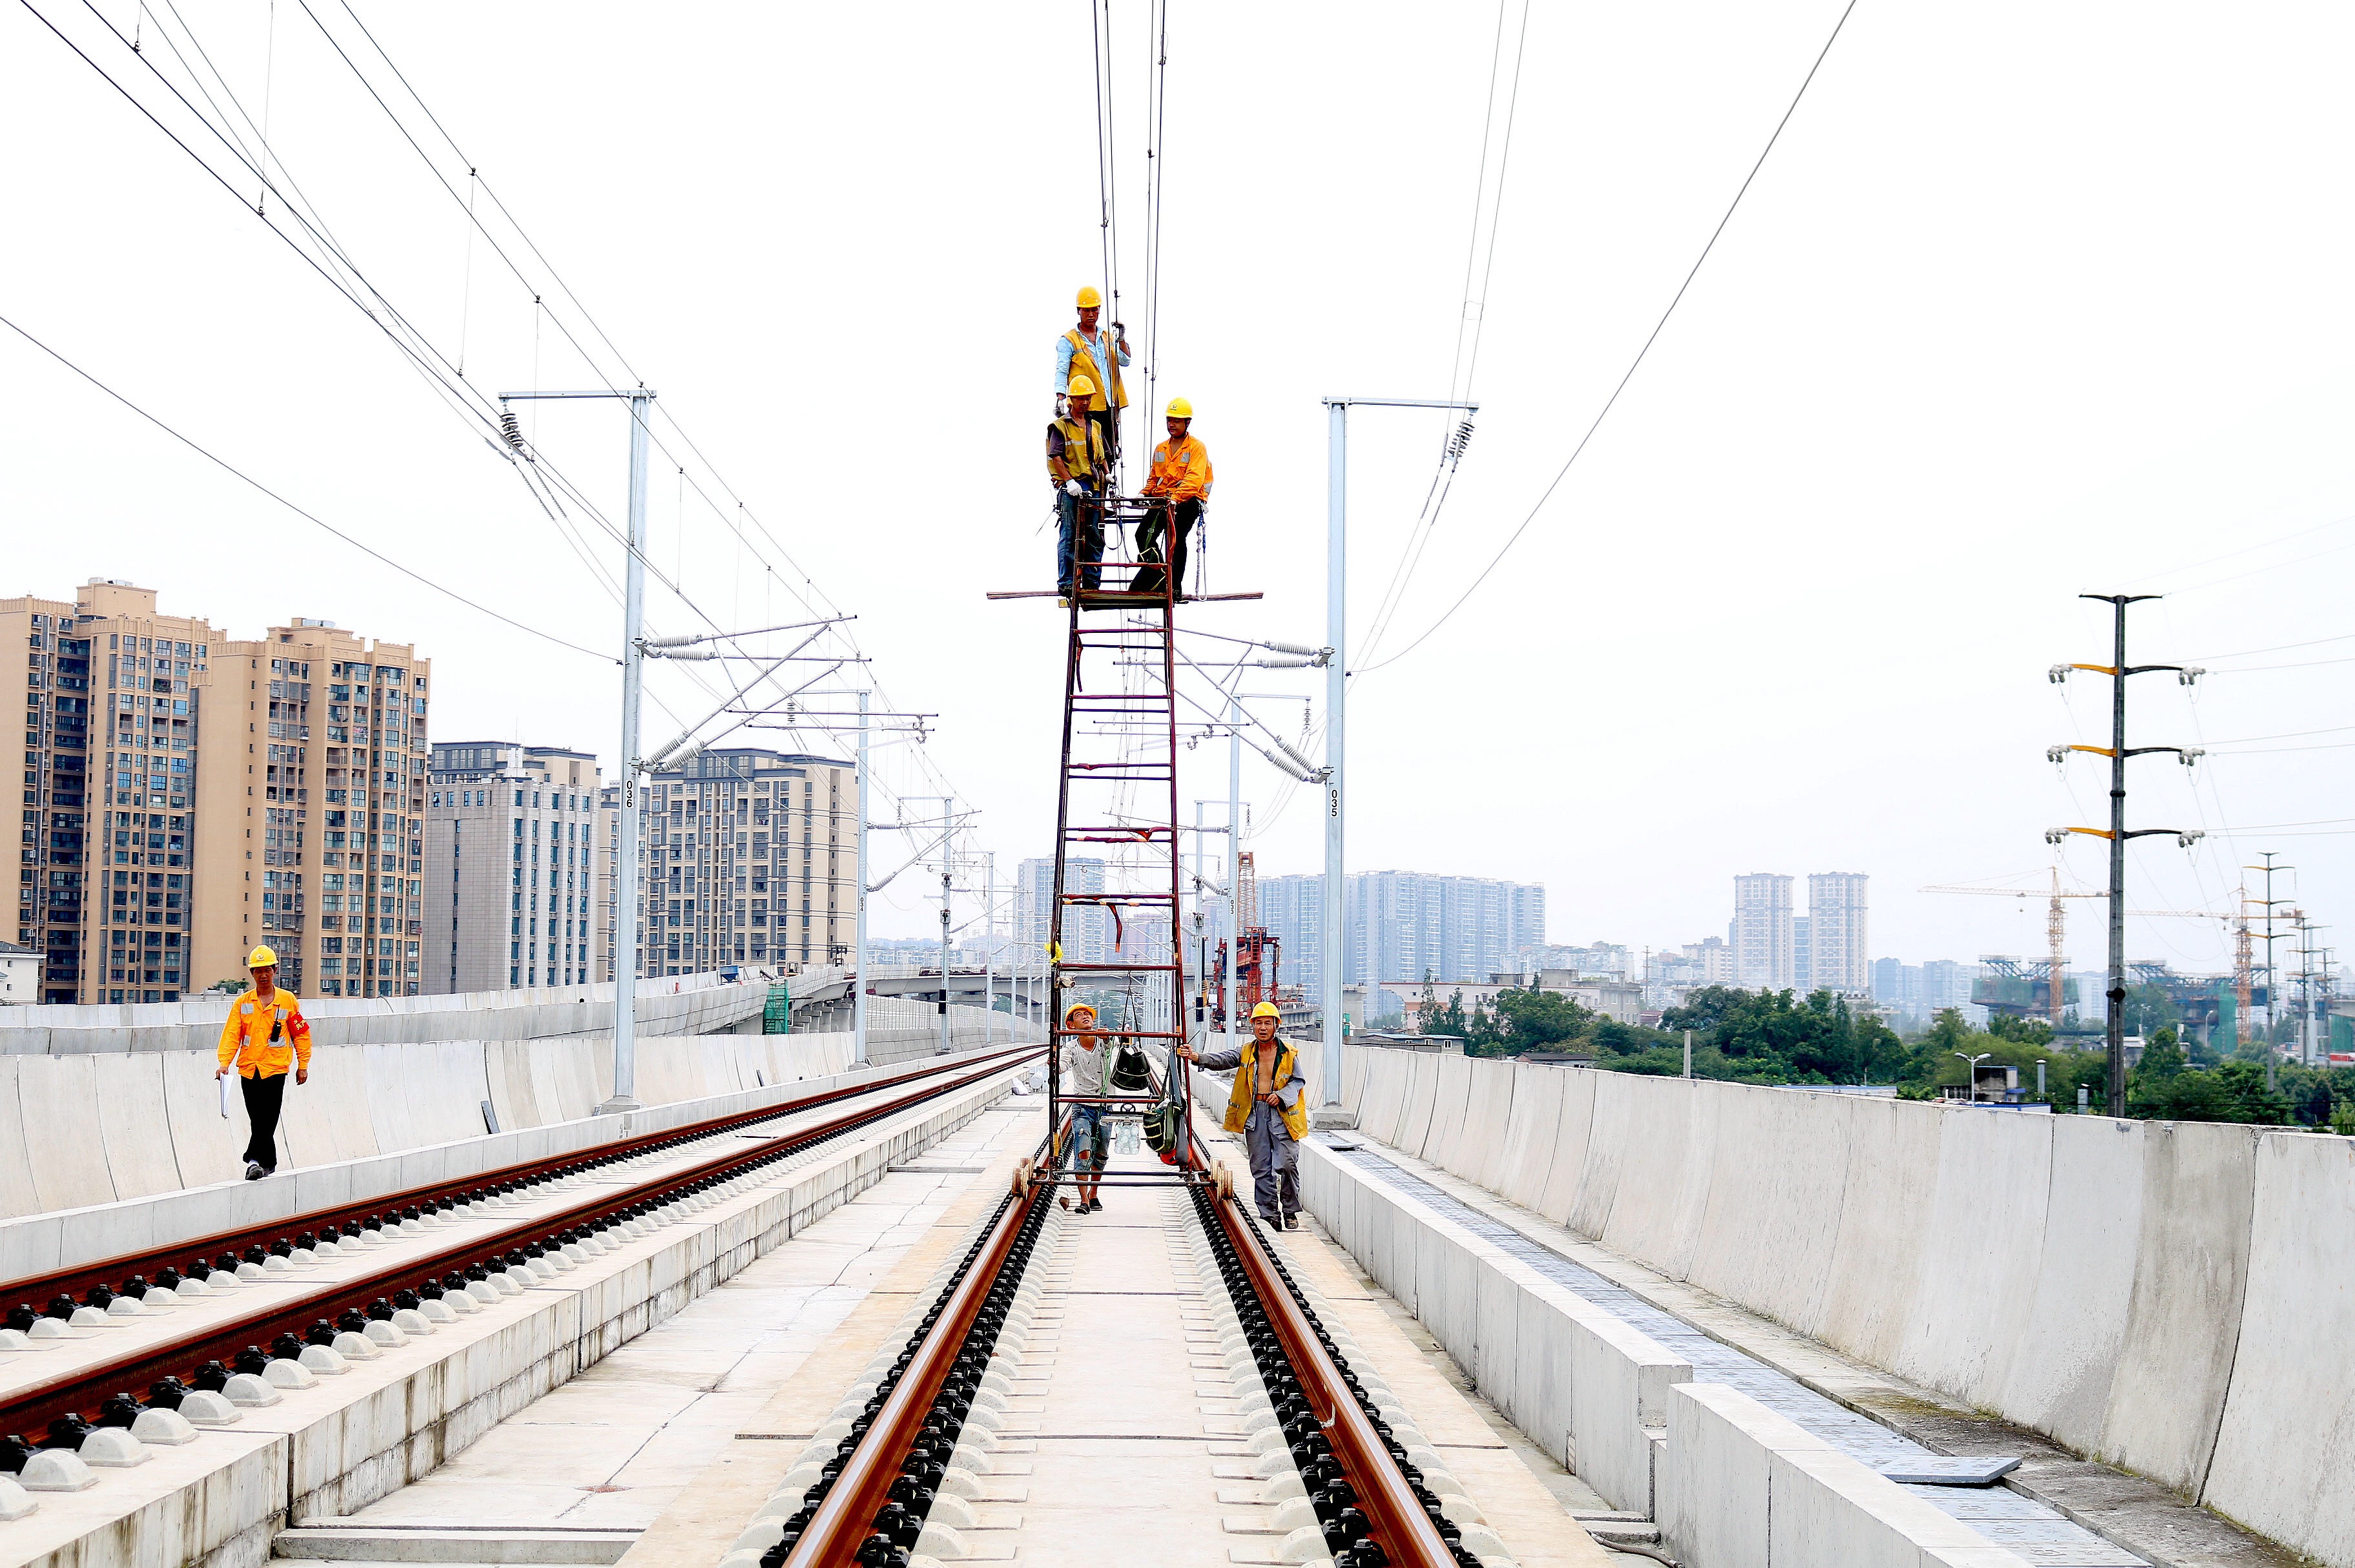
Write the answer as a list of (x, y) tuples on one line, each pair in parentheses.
[(1394, 1515), (846, 1518), (74, 1280), (28, 1408)]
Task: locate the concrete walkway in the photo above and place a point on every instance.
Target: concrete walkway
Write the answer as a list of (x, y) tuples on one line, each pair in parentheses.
[(613, 1448)]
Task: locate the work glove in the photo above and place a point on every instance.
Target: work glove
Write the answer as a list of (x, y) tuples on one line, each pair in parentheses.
[(1072, 487)]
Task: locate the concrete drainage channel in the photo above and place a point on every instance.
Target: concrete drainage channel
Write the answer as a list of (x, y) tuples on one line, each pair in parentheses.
[(311, 1437)]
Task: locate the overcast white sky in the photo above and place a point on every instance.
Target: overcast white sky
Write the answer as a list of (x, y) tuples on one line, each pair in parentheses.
[(2030, 301)]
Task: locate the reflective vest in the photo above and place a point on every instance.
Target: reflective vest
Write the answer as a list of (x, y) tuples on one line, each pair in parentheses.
[(1239, 1098), (1082, 454), (1083, 358)]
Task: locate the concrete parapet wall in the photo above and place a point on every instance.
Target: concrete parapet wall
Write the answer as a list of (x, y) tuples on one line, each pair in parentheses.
[(81, 1130), (1731, 1484), (1741, 1487), (2148, 1294), (681, 1004), (334, 1448), (1586, 1387)]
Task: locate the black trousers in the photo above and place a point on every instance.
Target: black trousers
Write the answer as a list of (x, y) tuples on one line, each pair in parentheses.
[(264, 1098), (1149, 542), (1080, 542)]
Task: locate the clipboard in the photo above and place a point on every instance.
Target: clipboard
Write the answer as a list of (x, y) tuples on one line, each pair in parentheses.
[(223, 1081)]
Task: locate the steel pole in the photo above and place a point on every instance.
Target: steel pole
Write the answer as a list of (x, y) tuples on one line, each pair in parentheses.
[(2117, 1030), (948, 811), (989, 947), (859, 958), (1235, 931), (1336, 678), (630, 907)]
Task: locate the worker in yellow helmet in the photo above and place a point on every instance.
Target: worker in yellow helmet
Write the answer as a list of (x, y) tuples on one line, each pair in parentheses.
[(1267, 1108), (1078, 465), (1098, 356), (1179, 487), (265, 1034)]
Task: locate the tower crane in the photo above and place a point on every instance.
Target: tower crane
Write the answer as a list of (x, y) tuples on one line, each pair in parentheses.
[(2056, 926)]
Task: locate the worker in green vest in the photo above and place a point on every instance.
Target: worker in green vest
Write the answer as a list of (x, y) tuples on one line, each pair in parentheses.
[(1077, 465)]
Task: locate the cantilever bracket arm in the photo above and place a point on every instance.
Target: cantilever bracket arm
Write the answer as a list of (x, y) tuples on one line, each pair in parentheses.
[(2184, 837)]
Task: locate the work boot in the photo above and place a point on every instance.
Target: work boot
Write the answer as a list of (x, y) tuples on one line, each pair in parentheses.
[(1095, 1205), (253, 1171)]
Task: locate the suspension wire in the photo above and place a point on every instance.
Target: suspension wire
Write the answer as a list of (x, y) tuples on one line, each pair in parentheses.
[(1460, 371), (342, 274), (722, 514), (308, 516), (351, 281), (1641, 354), (663, 410), (1156, 172)]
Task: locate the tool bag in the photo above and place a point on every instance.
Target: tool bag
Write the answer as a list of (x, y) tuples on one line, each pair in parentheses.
[(1130, 1072), (1164, 1124)]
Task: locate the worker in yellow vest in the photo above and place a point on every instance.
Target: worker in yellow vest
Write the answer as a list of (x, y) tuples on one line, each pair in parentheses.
[(1077, 466), (1267, 1106), (265, 1034), (1098, 356), (1178, 486)]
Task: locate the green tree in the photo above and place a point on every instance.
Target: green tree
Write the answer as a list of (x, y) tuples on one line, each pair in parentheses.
[(2147, 1007), (1703, 1008), (1538, 1020), (2028, 1032), (1447, 1019)]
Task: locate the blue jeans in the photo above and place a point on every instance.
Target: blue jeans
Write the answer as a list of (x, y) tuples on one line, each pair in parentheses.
[(1081, 523), (1091, 1138)]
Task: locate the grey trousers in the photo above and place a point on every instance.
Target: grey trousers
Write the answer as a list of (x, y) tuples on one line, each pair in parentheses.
[(1274, 1162)]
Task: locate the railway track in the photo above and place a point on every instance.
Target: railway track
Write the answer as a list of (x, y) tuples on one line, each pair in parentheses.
[(528, 1222), (901, 1472)]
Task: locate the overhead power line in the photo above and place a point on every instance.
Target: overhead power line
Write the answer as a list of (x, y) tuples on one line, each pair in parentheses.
[(1635, 364), (225, 464)]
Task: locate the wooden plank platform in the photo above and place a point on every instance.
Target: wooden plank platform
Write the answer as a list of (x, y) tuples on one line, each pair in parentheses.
[(1111, 598)]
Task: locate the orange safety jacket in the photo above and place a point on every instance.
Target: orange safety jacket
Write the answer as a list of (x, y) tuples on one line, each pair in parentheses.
[(262, 1040), (1181, 470)]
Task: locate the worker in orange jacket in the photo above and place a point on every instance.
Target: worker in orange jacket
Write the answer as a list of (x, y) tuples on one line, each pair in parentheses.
[(1178, 487), (266, 1033)]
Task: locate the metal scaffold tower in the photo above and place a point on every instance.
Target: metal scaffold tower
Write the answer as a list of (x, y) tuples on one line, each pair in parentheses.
[(1116, 936)]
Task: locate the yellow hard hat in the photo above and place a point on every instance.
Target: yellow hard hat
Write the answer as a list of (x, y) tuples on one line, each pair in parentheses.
[(260, 958), (1081, 387), (1076, 1010), (1179, 409), (1090, 299), (1265, 1010)]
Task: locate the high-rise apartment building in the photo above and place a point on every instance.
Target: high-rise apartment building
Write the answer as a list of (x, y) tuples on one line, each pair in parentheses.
[(106, 877), (1803, 955), (514, 845), (1087, 929), (749, 857), (310, 831), (1762, 932), (1402, 925), (1840, 957), (180, 810)]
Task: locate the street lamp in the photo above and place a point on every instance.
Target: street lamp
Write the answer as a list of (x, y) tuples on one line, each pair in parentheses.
[(1974, 1064)]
